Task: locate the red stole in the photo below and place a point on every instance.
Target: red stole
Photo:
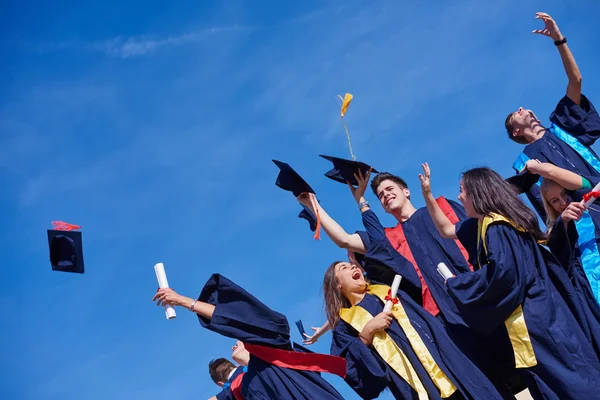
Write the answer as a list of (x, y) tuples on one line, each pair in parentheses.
[(398, 240)]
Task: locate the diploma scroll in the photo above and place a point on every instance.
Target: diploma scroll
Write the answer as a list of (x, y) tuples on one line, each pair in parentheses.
[(394, 292), (444, 271), (589, 201), (163, 283)]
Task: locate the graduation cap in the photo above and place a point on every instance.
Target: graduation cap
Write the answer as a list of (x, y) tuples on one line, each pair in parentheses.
[(290, 180), (523, 181), (343, 170), (301, 328), (66, 248)]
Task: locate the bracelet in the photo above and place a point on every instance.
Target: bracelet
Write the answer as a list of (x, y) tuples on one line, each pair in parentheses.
[(362, 204), (192, 306), (561, 41)]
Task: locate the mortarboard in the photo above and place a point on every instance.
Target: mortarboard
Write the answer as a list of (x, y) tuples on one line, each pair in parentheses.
[(343, 170), (66, 248), (301, 329), (523, 181), (290, 180)]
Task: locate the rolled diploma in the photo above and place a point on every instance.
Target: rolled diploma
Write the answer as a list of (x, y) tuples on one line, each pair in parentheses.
[(444, 271), (588, 203), (163, 283), (395, 286)]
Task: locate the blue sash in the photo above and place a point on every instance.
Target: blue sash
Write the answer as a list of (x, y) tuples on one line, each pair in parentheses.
[(576, 145), (588, 249)]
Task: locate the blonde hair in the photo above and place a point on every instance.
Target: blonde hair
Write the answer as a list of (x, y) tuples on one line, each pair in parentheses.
[(551, 213)]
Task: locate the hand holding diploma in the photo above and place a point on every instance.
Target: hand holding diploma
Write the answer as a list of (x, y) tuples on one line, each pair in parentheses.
[(165, 296)]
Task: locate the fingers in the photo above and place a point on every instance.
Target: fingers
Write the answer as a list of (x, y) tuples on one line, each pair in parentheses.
[(421, 178), (352, 189)]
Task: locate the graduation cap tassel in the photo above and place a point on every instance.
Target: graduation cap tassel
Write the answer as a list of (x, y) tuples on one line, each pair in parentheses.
[(315, 206), (64, 226), (345, 103)]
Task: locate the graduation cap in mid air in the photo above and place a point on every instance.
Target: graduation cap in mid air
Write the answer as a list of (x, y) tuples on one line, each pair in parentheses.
[(343, 170), (66, 247), (523, 181), (290, 180)]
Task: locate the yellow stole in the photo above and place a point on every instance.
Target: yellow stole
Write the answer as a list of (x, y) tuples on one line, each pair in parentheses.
[(515, 323), (385, 346)]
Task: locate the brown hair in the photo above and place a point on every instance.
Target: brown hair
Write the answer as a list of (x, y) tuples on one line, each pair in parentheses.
[(334, 300), (492, 194), (219, 369), (510, 130), (382, 176)]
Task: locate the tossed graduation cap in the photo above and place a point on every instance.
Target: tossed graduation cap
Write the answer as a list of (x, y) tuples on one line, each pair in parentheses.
[(66, 247), (288, 179), (301, 328), (523, 181), (343, 170)]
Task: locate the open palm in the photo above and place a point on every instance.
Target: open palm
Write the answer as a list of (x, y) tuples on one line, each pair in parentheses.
[(550, 27)]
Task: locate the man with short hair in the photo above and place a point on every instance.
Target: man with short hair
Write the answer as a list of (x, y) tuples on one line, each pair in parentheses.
[(575, 125), (223, 372)]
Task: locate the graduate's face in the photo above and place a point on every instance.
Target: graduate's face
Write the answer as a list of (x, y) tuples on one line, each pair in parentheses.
[(556, 196), (349, 277), (392, 196), (522, 119), (240, 355), (467, 201)]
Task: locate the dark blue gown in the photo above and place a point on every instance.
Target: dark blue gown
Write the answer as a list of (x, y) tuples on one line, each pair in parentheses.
[(241, 316), (367, 373), (429, 248), (514, 273), (581, 124)]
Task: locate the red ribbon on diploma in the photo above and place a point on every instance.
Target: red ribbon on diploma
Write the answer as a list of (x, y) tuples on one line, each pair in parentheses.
[(589, 195), (389, 297)]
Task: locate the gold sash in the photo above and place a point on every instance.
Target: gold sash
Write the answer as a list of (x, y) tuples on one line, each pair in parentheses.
[(515, 323), (392, 354)]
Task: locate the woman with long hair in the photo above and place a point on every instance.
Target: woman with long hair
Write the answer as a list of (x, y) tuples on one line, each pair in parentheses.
[(573, 229), (511, 291), (405, 350)]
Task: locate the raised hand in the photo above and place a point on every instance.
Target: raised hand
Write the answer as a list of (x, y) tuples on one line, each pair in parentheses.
[(307, 199), (315, 337), (550, 28), (573, 212), (536, 167), (167, 296), (425, 179), (363, 181)]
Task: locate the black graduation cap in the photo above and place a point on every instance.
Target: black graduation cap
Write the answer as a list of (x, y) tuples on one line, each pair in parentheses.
[(290, 180), (523, 181), (343, 170), (66, 250), (301, 328)]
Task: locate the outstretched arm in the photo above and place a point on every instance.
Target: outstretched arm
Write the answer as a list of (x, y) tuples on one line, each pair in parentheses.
[(318, 333), (551, 30), (337, 234), (565, 178), (444, 226), (168, 296)]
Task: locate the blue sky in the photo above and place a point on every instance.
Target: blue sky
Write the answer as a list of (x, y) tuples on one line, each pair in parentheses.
[(153, 127)]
